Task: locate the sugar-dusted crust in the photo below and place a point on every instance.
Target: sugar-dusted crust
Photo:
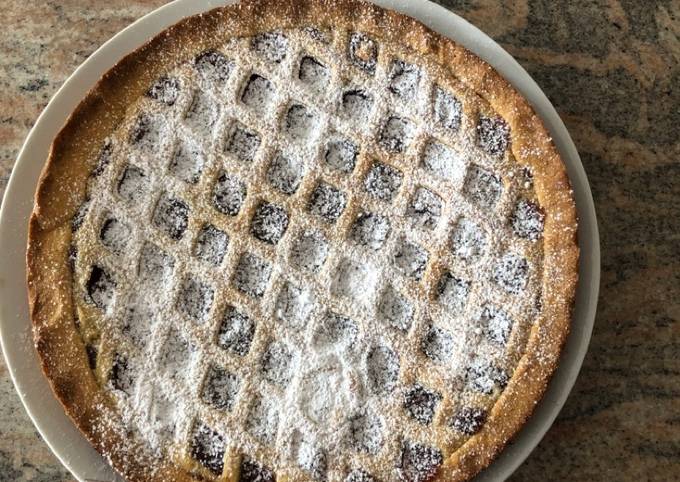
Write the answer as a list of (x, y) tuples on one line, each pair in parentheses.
[(62, 189)]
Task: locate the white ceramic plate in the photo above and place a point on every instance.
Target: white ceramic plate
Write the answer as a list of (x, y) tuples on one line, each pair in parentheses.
[(15, 328)]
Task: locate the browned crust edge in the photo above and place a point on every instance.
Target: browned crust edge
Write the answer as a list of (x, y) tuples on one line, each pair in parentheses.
[(61, 189)]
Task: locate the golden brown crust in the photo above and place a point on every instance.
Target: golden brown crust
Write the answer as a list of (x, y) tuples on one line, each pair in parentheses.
[(62, 188)]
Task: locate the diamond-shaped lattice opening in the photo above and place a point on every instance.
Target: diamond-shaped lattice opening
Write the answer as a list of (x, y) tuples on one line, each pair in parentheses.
[(285, 173), (252, 275), (213, 66), (527, 220), (195, 299), (277, 364), (496, 323), (493, 135), (258, 94), (382, 369), (396, 134), (443, 161), (411, 259), (469, 420), (421, 403), (437, 344), (252, 471), (370, 229), (138, 321), (355, 279), (417, 462), (366, 432), (171, 216), (383, 181), (146, 133), (309, 251), (448, 110), (293, 305), (187, 162), (269, 223), (485, 377), (327, 201), (335, 331), (511, 273), (208, 448), (236, 332), (363, 52), (357, 105), (263, 419), (229, 194), (301, 123), (273, 46), (202, 114), (395, 310), (221, 388), (133, 185), (314, 74), (155, 265), (165, 90), (468, 240), (211, 245), (176, 360), (341, 154), (453, 292), (243, 143), (425, 208), (404, 79), (124, 373), (483, 187), (115, 234), (100, 287)]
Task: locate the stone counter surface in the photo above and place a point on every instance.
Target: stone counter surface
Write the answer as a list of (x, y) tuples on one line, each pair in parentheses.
[(611, 68)]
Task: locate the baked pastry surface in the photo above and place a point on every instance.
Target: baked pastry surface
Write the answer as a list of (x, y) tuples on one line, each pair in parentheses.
[(301, 240)]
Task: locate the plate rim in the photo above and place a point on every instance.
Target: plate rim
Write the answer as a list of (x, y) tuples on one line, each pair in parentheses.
[(70, 446)]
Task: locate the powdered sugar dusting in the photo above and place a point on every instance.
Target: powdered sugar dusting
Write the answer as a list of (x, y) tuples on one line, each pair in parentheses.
[(305, 262)]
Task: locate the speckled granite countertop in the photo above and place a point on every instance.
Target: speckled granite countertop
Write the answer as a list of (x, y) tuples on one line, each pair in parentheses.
[(611, 67)]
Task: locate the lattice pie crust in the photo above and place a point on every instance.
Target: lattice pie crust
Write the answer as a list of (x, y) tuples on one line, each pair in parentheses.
[(301, 240)]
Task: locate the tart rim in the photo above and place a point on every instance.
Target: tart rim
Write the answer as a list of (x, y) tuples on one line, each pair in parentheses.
[(62, 187)]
